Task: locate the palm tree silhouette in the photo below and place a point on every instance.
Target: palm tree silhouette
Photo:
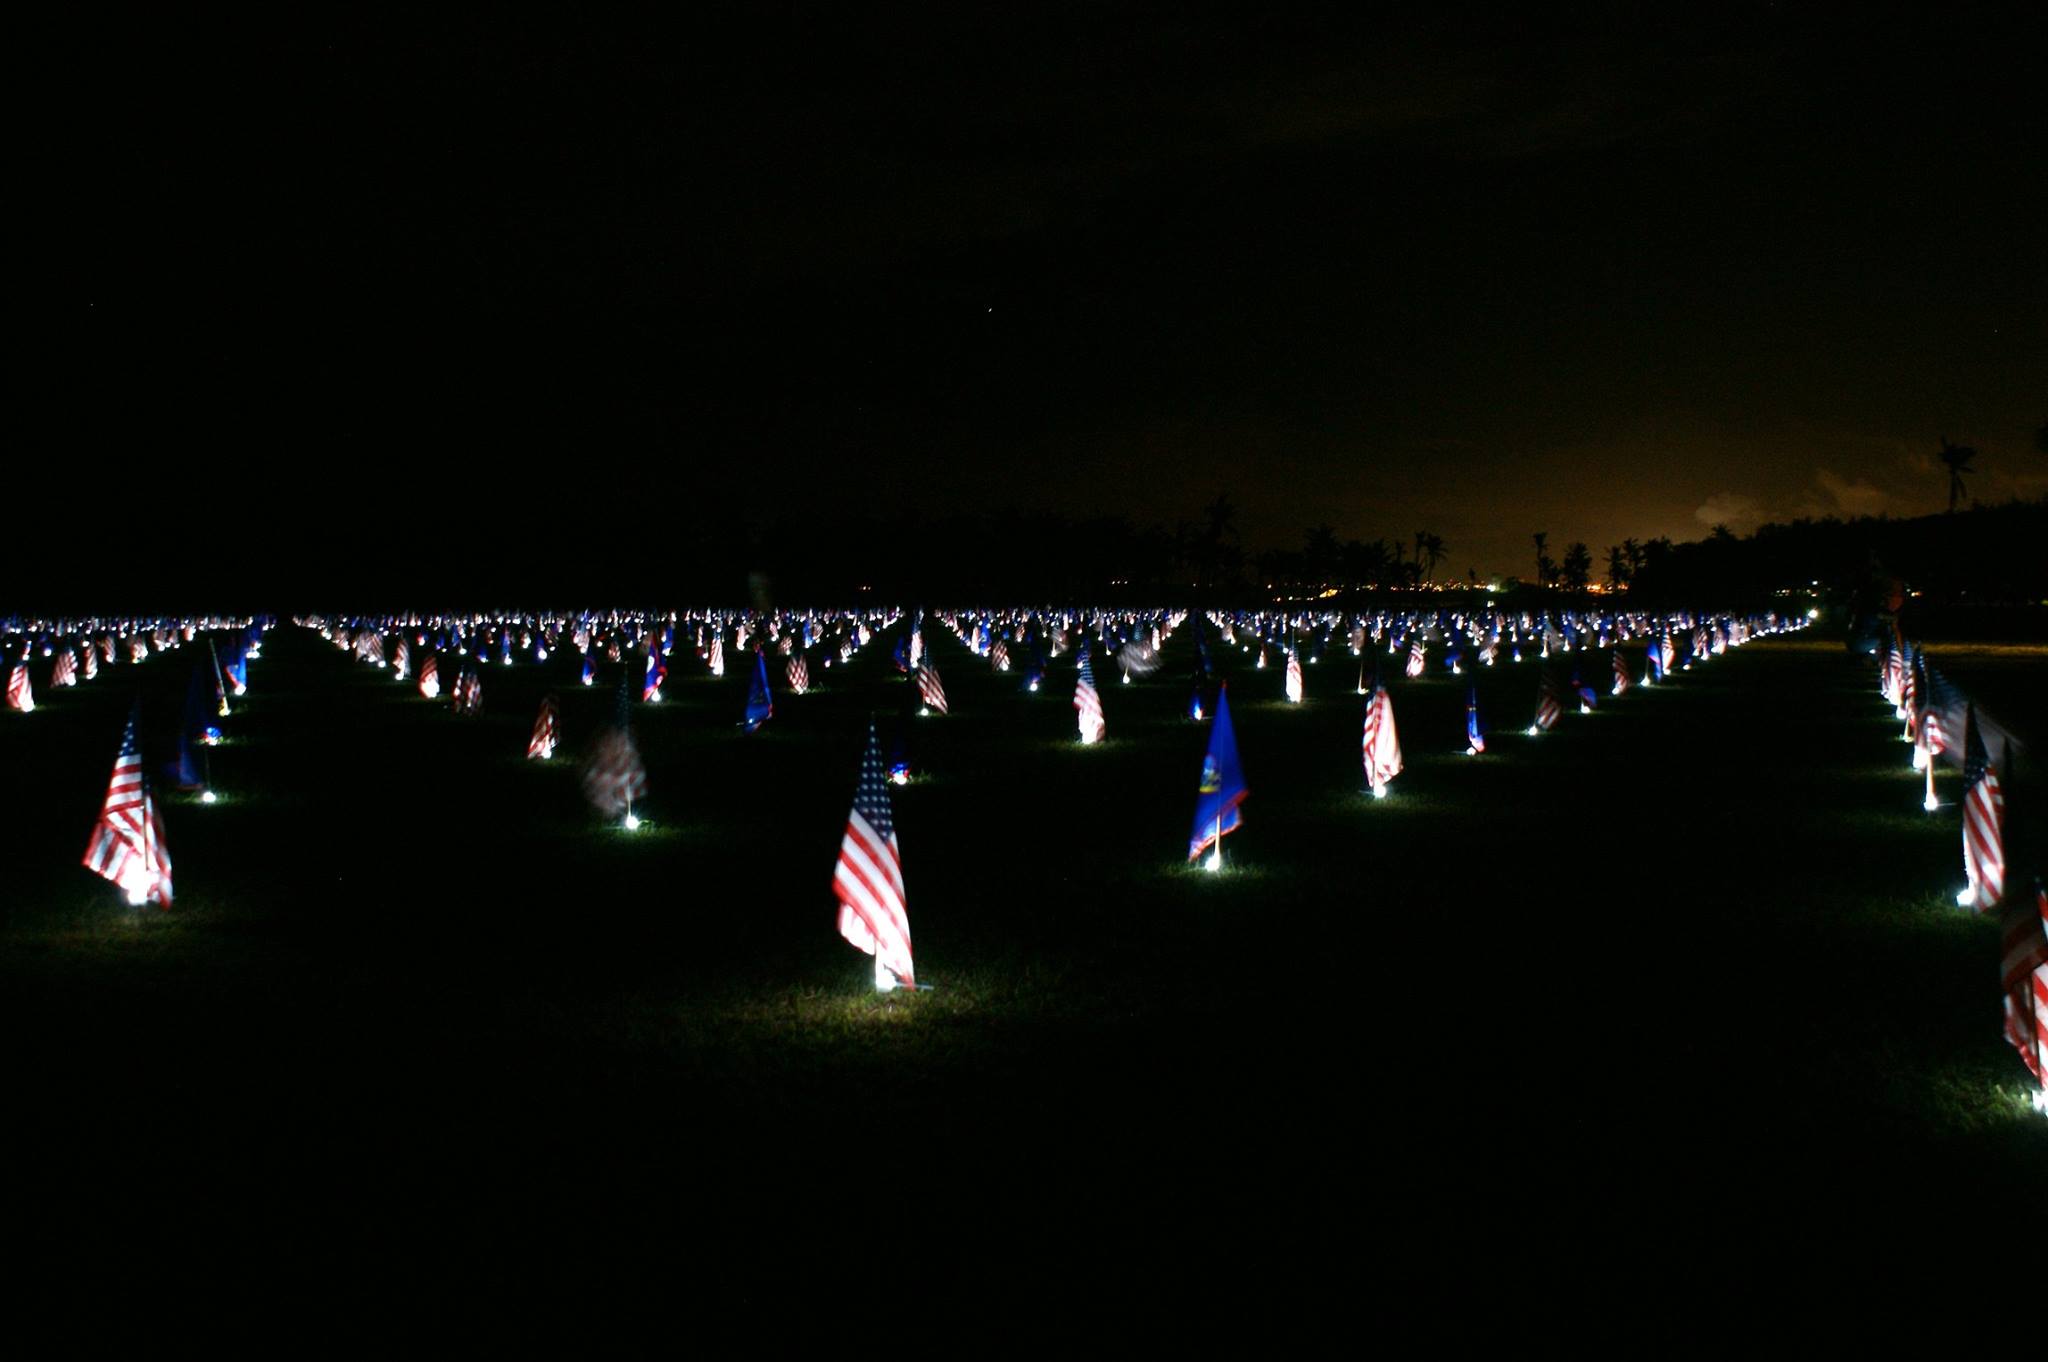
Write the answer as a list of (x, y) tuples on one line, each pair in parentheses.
[(1957, 457), (1429, 550)]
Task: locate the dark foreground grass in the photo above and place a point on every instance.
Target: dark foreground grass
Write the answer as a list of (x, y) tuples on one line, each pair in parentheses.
[(1604, 1020)]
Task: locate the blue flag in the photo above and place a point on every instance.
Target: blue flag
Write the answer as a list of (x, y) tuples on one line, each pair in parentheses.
[(1222, 788), (193, 725), (760, 707), (650, 687), (1475, 736)]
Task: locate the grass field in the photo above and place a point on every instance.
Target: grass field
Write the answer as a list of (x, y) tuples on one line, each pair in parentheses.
[(1674, 988)]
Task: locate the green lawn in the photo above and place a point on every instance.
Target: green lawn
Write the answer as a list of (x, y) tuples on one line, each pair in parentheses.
[(1676, 984)]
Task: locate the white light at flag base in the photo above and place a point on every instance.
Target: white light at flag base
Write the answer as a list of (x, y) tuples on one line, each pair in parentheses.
[(1215, 861), (1533, 730), (1966, 897), (632, 823), (206, 797), (1379, 792)]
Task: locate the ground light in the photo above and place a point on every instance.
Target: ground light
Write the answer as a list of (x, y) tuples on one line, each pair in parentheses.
[(207, 797), (1379, 792), (1533, 730), (1215, 861), (2041, 1101), (632, 823), (1930, 803), (1966, 897)]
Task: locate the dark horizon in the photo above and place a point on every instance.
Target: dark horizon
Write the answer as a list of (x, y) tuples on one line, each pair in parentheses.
[(315, 306)]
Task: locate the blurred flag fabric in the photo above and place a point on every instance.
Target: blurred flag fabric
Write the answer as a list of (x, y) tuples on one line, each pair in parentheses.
[(430, 677), (1381, 746), (799, 674), (1222, 788), (760, 702), (1549, 704), (1621, 677), (1475, 736), (19, 694), (1293, 683), (868, 879), (657, 672), (930, 689), (1088, 702), (2025, 970), (615, 776), (193, 723), (127, 844), (1983, 820), (1588, 697), (541, 746)]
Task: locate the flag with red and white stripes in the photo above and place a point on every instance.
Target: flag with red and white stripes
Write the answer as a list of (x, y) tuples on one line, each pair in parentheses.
[(1294, 686), (1088, 702), (127, 843), (868, 880), (430, 677), (1381, 745), (19, 694), (1549, 704), (2025, 975), (65, 672), (1621, 677), (541, 746), (1983, 820), (930, 689), (799, 674)]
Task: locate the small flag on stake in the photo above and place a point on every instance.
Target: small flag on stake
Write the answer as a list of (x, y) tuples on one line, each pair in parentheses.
[(1222, 788), (868, 880)]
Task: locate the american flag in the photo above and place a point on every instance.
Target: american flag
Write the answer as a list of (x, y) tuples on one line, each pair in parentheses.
[(127, 843), (401, 661), (430, 677), (1381, 746), (1088, 702), (930, 689), (615, 777), (542, 744), (1416, 658), (1983, 821), (999, 656), (868, 880), (19, 696), (1621, 677), (799, 674), (1475, 735), (65, 673), (2026, 982), (469, 692), (1549, 705), (1294, 687), (92, 661)]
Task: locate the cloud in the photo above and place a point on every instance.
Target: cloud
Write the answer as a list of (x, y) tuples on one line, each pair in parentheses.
[(1850, 497), (1737, 512)]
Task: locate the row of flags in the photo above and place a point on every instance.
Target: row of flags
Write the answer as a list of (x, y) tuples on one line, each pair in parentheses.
[(1941, 720), (127, 844)]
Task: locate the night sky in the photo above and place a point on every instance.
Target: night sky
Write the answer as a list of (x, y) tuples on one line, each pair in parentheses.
[(481, 298)]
